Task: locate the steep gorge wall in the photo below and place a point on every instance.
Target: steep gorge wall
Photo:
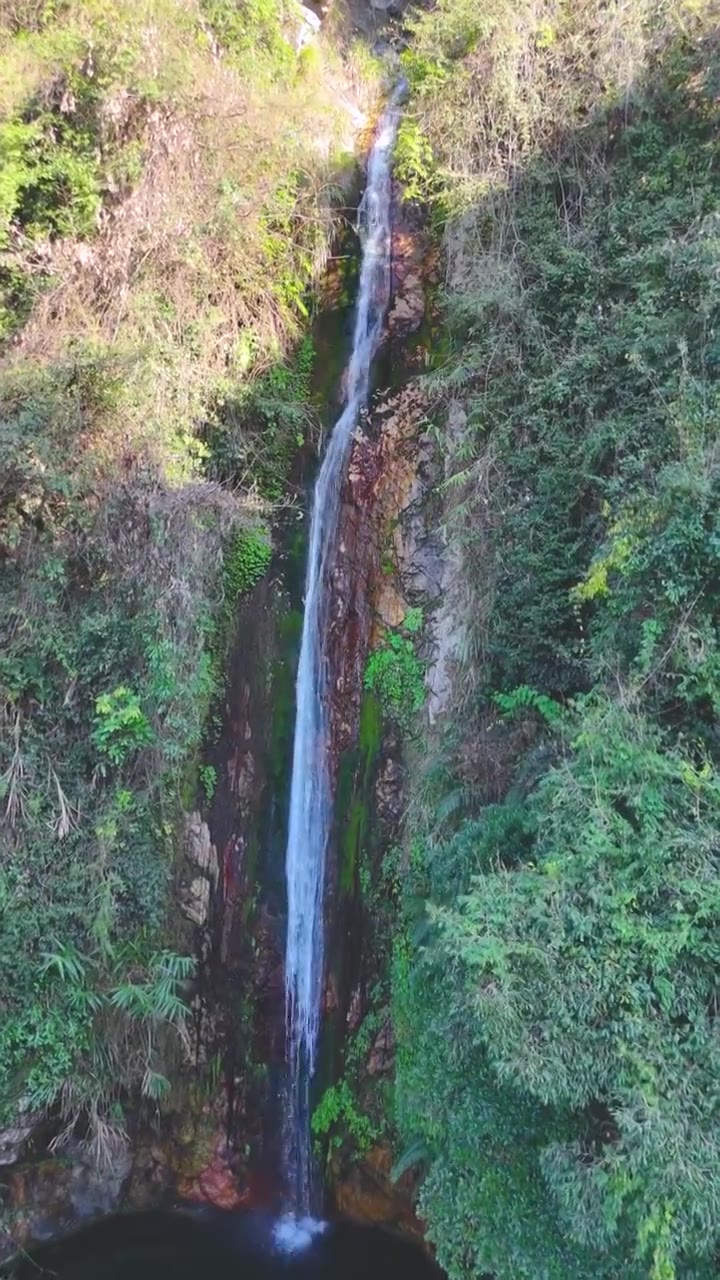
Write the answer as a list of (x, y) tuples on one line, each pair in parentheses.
[(228, 883), (390, 563)]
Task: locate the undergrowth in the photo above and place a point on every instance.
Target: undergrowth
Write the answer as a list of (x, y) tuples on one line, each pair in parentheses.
[(337, 1117), (396, 675), (554, 992), (168, 173)]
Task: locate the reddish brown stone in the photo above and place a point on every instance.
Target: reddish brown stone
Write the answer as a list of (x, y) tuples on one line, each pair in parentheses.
[(366, 1192), (216, 1185)]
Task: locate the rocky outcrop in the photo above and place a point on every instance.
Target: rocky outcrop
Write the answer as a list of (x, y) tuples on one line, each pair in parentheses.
[(15, 1136), (46, 1196), (240, 853), (217, 1182), (385, 481), (366, 1192), (371, 15)]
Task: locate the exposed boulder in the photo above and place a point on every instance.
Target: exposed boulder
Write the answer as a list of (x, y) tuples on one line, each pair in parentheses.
[(200, 849), (382, 1051), (365, 1191), (308, 25), (13, 1139), (196, 901)]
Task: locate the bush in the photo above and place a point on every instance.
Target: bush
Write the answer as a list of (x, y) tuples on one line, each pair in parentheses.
[(584, 965), (248, 28), (246, 562), (337, 1115), (121, 725), (396, 676), (96, 594), (163, 211), (256, 433), (555, 1016)]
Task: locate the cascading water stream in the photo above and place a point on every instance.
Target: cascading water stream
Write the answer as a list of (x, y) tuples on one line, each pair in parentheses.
[(311, 787)]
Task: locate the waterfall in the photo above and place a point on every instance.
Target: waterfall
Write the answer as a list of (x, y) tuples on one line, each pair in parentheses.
[(311, 789)]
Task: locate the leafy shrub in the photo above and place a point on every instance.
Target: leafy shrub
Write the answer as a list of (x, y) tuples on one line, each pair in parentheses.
[(414, 161), (156, 999), (50, 185), (256, 432), (247, 561), (395, 674), (413, 620), (554, 1002), (337, 1116), (121, 725), (208, 780), (252, 28), (525, 699), (575, 974)]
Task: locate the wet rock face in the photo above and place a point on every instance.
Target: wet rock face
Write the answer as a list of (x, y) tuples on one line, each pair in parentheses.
[(50, 1195), (387, 560), (236, 1000), (411, 267), (242, 854), (217, 1183), (382, 490), (383, 484), (366, 1193), (185, 1157)]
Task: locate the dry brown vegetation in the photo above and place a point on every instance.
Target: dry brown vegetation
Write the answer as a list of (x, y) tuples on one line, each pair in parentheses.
[(196, 271)]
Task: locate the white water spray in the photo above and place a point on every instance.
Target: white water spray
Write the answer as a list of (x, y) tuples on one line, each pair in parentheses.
[(311, 791)]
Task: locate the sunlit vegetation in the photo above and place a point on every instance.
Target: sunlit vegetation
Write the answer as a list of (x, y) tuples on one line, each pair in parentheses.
[(395, 673), (168, 177)]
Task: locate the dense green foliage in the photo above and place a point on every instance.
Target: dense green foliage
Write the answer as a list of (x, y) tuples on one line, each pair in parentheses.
[(395, 674), (164, 209), (106, 678), (338, 1109), (246, 562), (582, 956), (253, 435), (558, 1014)]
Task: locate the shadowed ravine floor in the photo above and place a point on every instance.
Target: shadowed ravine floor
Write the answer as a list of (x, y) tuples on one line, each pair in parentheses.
[(214, 1245)]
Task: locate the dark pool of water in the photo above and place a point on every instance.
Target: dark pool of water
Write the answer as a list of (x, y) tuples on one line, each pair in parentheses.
[(205, 1244)]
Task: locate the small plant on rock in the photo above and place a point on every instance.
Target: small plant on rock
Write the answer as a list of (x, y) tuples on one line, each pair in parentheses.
[(395, 674), (337, 1115), (121, 726)]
